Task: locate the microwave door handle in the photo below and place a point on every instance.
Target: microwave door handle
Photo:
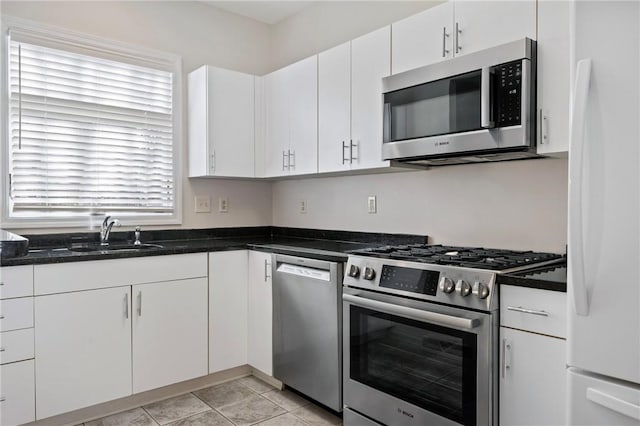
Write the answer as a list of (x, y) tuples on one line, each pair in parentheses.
[(412, 313), (576, 160), (485, 99)]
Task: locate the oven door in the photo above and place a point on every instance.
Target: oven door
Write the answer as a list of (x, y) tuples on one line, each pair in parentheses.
[(409, 362)]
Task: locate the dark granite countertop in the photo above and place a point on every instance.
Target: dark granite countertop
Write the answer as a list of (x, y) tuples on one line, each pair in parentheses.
[(313, 243), (550, 278)]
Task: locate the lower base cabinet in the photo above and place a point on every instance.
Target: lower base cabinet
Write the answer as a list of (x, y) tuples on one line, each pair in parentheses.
[(82, 349), (260, 346), (17, 392), (169, 332), (532, 379)]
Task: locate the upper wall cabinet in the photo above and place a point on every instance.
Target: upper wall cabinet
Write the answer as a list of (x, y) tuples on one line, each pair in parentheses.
[(291, 119), (350, 104), (553, 77), (221, 123), (457, 28)]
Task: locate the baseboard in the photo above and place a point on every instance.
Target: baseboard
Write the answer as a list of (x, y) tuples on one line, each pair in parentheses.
[(267, 378), (127, 403)]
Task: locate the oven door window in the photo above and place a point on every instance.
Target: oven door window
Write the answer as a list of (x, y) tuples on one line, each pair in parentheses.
[(426, 365), (450, 105)]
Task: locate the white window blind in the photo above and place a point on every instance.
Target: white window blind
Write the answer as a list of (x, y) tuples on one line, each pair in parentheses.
[(88, 135)]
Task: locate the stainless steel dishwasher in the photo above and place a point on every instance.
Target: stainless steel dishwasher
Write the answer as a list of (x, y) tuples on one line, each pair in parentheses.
[(307, 327)]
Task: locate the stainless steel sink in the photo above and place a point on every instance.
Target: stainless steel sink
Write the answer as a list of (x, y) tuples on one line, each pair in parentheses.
[(120, 247)]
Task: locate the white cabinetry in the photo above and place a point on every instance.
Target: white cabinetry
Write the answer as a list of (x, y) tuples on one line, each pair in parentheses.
[(553, 77), (221, 123), (83, 349), (106, 329), (228, 281), (169, 332), (260, 347), (17, 381), (532, 356), (457, 28), (350, 102), (291, 119)]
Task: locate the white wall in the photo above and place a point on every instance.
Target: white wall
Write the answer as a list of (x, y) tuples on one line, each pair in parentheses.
[(201, 35), (516, 205)]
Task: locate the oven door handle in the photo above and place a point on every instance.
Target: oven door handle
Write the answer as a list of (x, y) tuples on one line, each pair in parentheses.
[(412, 313)]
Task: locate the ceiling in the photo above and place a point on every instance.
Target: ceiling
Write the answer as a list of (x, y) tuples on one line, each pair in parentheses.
[(269, 12)]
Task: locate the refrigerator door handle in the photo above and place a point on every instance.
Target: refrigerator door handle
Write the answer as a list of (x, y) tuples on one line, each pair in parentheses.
[(614, 403), (576, 148)]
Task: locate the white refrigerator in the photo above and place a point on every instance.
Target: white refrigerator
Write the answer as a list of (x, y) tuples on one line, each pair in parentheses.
[(604, 215)]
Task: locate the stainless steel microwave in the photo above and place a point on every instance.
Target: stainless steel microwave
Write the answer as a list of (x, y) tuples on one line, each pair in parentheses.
[(473, 108)]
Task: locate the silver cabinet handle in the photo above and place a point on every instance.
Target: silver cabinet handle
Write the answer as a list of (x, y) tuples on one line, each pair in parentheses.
[(267, 265), (213, 162), (292, 164), (458, 32), (126, 306), (544, 127), (139, 303), (284, 155), (412, 313), (351, 145), (506, 357), (527, 311), (485, 99), (344, 146), (444, 42)]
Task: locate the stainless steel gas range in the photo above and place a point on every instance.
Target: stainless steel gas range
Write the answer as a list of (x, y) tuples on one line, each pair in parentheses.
[(421, 333)]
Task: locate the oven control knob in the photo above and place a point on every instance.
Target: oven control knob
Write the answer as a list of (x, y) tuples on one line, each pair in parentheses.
[(463, 288), (446, 285), (369, 273), (354, 271), (480, 290)]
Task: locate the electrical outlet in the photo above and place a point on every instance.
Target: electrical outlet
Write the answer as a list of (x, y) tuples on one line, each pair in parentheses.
[(202, 204), (303, 206), (372, 204), (223, 204)]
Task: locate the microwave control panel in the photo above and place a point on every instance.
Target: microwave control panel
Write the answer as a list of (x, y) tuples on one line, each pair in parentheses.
[(508, 94)]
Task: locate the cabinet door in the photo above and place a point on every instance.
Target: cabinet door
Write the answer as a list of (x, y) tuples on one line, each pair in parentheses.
[(228, 281), (370, 62), (276, 123), (302, 86), (334, 108), (169, 332), (82, 349), (553, 77), (484, 24), (423, 39), (532, 378), (18, 393), (260, 348), (230, 109)]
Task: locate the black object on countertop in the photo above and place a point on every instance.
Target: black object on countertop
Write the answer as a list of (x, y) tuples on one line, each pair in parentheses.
[(12, 245)]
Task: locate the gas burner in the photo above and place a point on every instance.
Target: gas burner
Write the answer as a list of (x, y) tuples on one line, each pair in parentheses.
[(467, 257)]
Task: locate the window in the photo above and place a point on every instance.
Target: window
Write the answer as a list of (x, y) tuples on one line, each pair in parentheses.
[(91, 129)]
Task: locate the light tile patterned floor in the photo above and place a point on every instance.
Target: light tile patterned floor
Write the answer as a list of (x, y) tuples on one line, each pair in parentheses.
[(242, 402)]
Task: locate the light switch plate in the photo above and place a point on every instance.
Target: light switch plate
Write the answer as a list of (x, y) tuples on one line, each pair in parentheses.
[(202, 204)]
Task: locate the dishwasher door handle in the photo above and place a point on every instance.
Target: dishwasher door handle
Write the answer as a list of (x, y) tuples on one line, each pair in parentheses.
[(412, 313)]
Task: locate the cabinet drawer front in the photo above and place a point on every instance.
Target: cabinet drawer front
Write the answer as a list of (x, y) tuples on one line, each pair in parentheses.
[(95, 274), (16, 313), (16, 345), (18, 393), (16, 281), (539, 311)]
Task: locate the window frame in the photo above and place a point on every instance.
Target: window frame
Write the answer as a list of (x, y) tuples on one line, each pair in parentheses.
[(60, 38)]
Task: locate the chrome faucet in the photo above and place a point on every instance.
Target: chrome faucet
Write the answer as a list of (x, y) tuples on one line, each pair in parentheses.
[(106, 229)]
